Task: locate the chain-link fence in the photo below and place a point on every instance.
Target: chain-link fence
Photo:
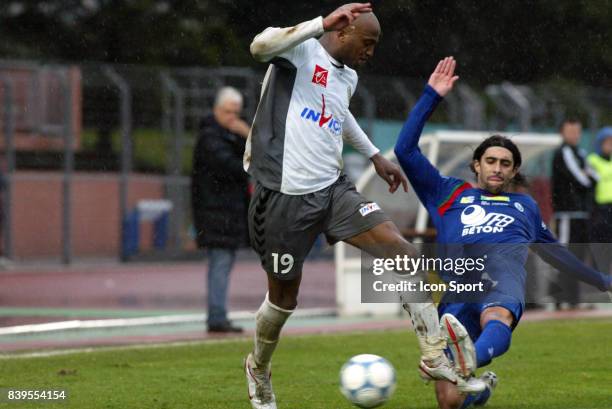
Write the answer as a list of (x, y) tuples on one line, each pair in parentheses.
[(90, 151)]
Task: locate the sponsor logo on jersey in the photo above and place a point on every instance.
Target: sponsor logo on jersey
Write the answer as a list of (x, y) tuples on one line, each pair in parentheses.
[(495, 198), (467, 200), (324, 121), (320, 76), (519, 207), (369, 208), (476, 220)]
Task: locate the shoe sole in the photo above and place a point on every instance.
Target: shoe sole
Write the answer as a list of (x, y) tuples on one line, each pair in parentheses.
[(473, 385), (427, 376), (460, 344)]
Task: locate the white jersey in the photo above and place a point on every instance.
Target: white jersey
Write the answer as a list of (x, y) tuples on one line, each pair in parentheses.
[(295, 145)]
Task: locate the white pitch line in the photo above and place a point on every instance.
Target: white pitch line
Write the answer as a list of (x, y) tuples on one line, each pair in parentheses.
[(141, 321), (87, 350)]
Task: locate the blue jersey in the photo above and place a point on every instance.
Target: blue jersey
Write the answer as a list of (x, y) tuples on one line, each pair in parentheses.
[(474, 222)]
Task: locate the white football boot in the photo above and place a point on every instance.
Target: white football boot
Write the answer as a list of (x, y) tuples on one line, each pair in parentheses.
[(439, 369), (490, 379), (460, 345), (259, 385), (442, 370)]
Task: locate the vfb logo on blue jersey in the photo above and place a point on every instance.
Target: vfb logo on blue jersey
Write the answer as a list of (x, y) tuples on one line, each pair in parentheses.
[(476, 220)]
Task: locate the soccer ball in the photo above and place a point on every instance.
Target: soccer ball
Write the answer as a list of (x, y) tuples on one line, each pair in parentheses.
[(367, 380)]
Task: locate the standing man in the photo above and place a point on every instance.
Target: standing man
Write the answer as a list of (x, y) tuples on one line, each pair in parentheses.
[(572, 187), (294, 153), (219, 198)]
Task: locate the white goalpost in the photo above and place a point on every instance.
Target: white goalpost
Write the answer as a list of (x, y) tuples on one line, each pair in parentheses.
[(450, 152)]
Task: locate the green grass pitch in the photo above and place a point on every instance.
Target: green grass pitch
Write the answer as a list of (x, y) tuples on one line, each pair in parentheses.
[(551, 365)]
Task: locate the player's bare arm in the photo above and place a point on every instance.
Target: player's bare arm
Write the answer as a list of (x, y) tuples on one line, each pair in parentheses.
[(354, 135), (389, 172)]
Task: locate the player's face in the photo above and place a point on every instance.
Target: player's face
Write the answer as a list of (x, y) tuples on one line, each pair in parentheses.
[(359, 45), (495, 169)]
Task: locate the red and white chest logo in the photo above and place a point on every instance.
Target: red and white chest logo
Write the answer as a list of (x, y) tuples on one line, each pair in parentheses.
[(320, 76)]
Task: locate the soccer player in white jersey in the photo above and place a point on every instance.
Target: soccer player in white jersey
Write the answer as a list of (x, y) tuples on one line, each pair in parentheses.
[(294, 154)]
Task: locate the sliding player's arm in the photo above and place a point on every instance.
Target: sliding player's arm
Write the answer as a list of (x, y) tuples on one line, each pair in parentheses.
[(275, 41), (558, 256), (357, 138), (431, 187)]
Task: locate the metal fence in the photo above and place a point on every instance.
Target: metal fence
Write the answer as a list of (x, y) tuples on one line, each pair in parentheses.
[(125, 112)]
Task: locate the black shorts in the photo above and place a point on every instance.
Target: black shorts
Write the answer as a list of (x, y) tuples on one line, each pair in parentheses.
[(283, 228)]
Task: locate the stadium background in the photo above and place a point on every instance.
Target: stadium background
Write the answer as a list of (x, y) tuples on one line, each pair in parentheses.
[(101, 101)]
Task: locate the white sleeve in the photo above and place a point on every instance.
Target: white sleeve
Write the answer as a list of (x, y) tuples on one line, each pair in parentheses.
[(285, 42), (354, 135)]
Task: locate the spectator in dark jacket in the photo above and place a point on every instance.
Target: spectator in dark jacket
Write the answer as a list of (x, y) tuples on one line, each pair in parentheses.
[(219, 196), (572, 186)]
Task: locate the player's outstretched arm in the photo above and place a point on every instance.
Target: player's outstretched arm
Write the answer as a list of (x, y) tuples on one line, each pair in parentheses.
[(440, 84), (424, 177), (565, 261), (443, 78), (558, 256), (275, 40)]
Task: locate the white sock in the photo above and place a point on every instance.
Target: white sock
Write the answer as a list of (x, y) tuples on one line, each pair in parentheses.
[(425, 320), (269, 321), (426, 325)]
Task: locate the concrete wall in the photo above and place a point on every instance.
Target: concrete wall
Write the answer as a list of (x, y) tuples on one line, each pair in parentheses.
[(37, 213)]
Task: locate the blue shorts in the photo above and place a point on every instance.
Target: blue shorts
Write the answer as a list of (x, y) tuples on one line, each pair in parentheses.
[(469, 313)]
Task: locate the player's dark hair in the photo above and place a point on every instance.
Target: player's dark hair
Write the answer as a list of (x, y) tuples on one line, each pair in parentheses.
[(502, 142), (519, 181)]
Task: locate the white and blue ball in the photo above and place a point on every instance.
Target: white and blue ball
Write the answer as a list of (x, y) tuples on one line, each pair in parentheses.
[(367, 380)]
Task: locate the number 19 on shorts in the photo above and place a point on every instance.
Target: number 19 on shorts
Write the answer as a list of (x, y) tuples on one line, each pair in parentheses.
[(285, 261)]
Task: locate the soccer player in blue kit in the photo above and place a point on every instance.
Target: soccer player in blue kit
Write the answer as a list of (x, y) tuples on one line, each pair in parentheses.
[(489, 218)]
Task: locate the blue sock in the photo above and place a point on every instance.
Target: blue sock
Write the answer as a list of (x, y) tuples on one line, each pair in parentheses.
[(482, 397), (476, 399), (469, 399), (492, 342)]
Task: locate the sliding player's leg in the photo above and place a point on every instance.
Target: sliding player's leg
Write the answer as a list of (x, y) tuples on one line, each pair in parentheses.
[(449, 396), (497, 323), (490, 325)]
